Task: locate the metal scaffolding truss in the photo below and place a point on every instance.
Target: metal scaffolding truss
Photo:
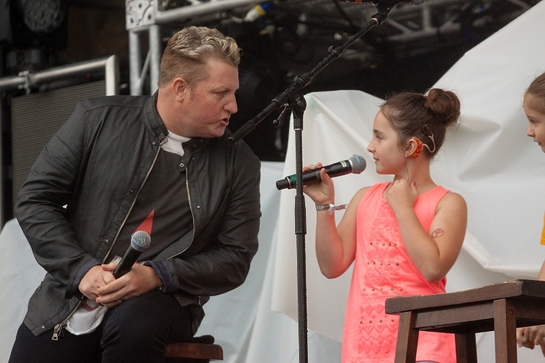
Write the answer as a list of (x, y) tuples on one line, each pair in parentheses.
[(408, 30), (147, 16)]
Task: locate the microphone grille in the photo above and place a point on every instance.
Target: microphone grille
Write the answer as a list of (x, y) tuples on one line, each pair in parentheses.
[(358, 163), (140, 240)]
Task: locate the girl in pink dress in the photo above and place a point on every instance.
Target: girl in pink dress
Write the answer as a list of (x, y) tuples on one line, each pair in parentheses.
[(403, 236)]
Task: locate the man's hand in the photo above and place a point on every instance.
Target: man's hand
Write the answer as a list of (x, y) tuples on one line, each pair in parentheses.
[(93, 280), (139, 280)]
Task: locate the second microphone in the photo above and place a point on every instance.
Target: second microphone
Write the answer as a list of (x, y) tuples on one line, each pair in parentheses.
[(140, 241), (355, 164)]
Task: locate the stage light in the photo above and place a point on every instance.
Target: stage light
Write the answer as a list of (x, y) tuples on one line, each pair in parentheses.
[(42, 16)]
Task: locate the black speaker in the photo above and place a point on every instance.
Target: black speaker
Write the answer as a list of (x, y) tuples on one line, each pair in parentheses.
[(34, 120)]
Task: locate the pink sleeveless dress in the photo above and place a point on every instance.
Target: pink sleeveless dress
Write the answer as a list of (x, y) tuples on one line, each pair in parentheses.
[(383, 269)]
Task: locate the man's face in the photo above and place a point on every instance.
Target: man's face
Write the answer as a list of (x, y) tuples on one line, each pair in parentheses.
[(208, 104)]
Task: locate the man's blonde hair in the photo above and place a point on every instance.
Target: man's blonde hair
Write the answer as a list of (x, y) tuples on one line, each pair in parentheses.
[(188, 50)]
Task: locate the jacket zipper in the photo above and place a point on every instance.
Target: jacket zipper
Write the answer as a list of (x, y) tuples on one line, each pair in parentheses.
[(190, 210), (57, 330), (132, 206)]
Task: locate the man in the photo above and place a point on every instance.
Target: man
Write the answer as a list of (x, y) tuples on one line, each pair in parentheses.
[(161, 164)]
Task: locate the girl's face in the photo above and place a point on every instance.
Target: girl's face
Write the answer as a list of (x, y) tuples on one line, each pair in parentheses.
[(389, 158), (536, 121)]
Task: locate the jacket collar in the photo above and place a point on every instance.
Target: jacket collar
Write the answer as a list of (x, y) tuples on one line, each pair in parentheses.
[(153, 120)]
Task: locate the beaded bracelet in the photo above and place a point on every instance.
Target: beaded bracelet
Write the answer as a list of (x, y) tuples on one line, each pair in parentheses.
[(330, 208)]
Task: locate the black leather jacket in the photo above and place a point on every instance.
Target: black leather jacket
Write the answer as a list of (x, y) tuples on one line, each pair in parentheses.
[(83, 185)]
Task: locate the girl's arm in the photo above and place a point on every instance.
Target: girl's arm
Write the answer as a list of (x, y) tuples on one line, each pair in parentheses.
[(335, 247), (529, 336)]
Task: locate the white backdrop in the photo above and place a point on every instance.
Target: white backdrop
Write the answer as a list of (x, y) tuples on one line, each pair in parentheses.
[(488, 159)]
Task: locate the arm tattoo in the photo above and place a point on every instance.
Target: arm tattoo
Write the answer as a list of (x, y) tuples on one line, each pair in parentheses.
[(437, 233)]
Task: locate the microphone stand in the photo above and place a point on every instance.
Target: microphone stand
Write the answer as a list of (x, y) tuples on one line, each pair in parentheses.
[(293, 98)]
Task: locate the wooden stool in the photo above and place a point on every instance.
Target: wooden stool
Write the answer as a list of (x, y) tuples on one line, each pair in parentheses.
[(500, 307), (197, 350)]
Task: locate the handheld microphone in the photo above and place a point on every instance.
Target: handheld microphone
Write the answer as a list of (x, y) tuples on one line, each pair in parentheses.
[(140, 241), (356, 164)]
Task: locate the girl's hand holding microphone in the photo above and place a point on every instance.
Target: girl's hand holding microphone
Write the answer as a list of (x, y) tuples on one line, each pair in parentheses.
[(321, 192)]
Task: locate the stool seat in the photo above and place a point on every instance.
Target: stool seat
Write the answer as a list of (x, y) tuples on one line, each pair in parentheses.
[(197, 350), (499, 307)]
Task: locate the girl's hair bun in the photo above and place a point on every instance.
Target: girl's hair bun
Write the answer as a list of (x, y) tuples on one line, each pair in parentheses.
[(445, 105)]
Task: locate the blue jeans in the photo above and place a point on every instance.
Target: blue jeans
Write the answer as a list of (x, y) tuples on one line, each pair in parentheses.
[(137, 330)]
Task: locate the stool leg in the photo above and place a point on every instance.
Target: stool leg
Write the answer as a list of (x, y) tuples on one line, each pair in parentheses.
[(466, 348), (407, 338), (505, 327)]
